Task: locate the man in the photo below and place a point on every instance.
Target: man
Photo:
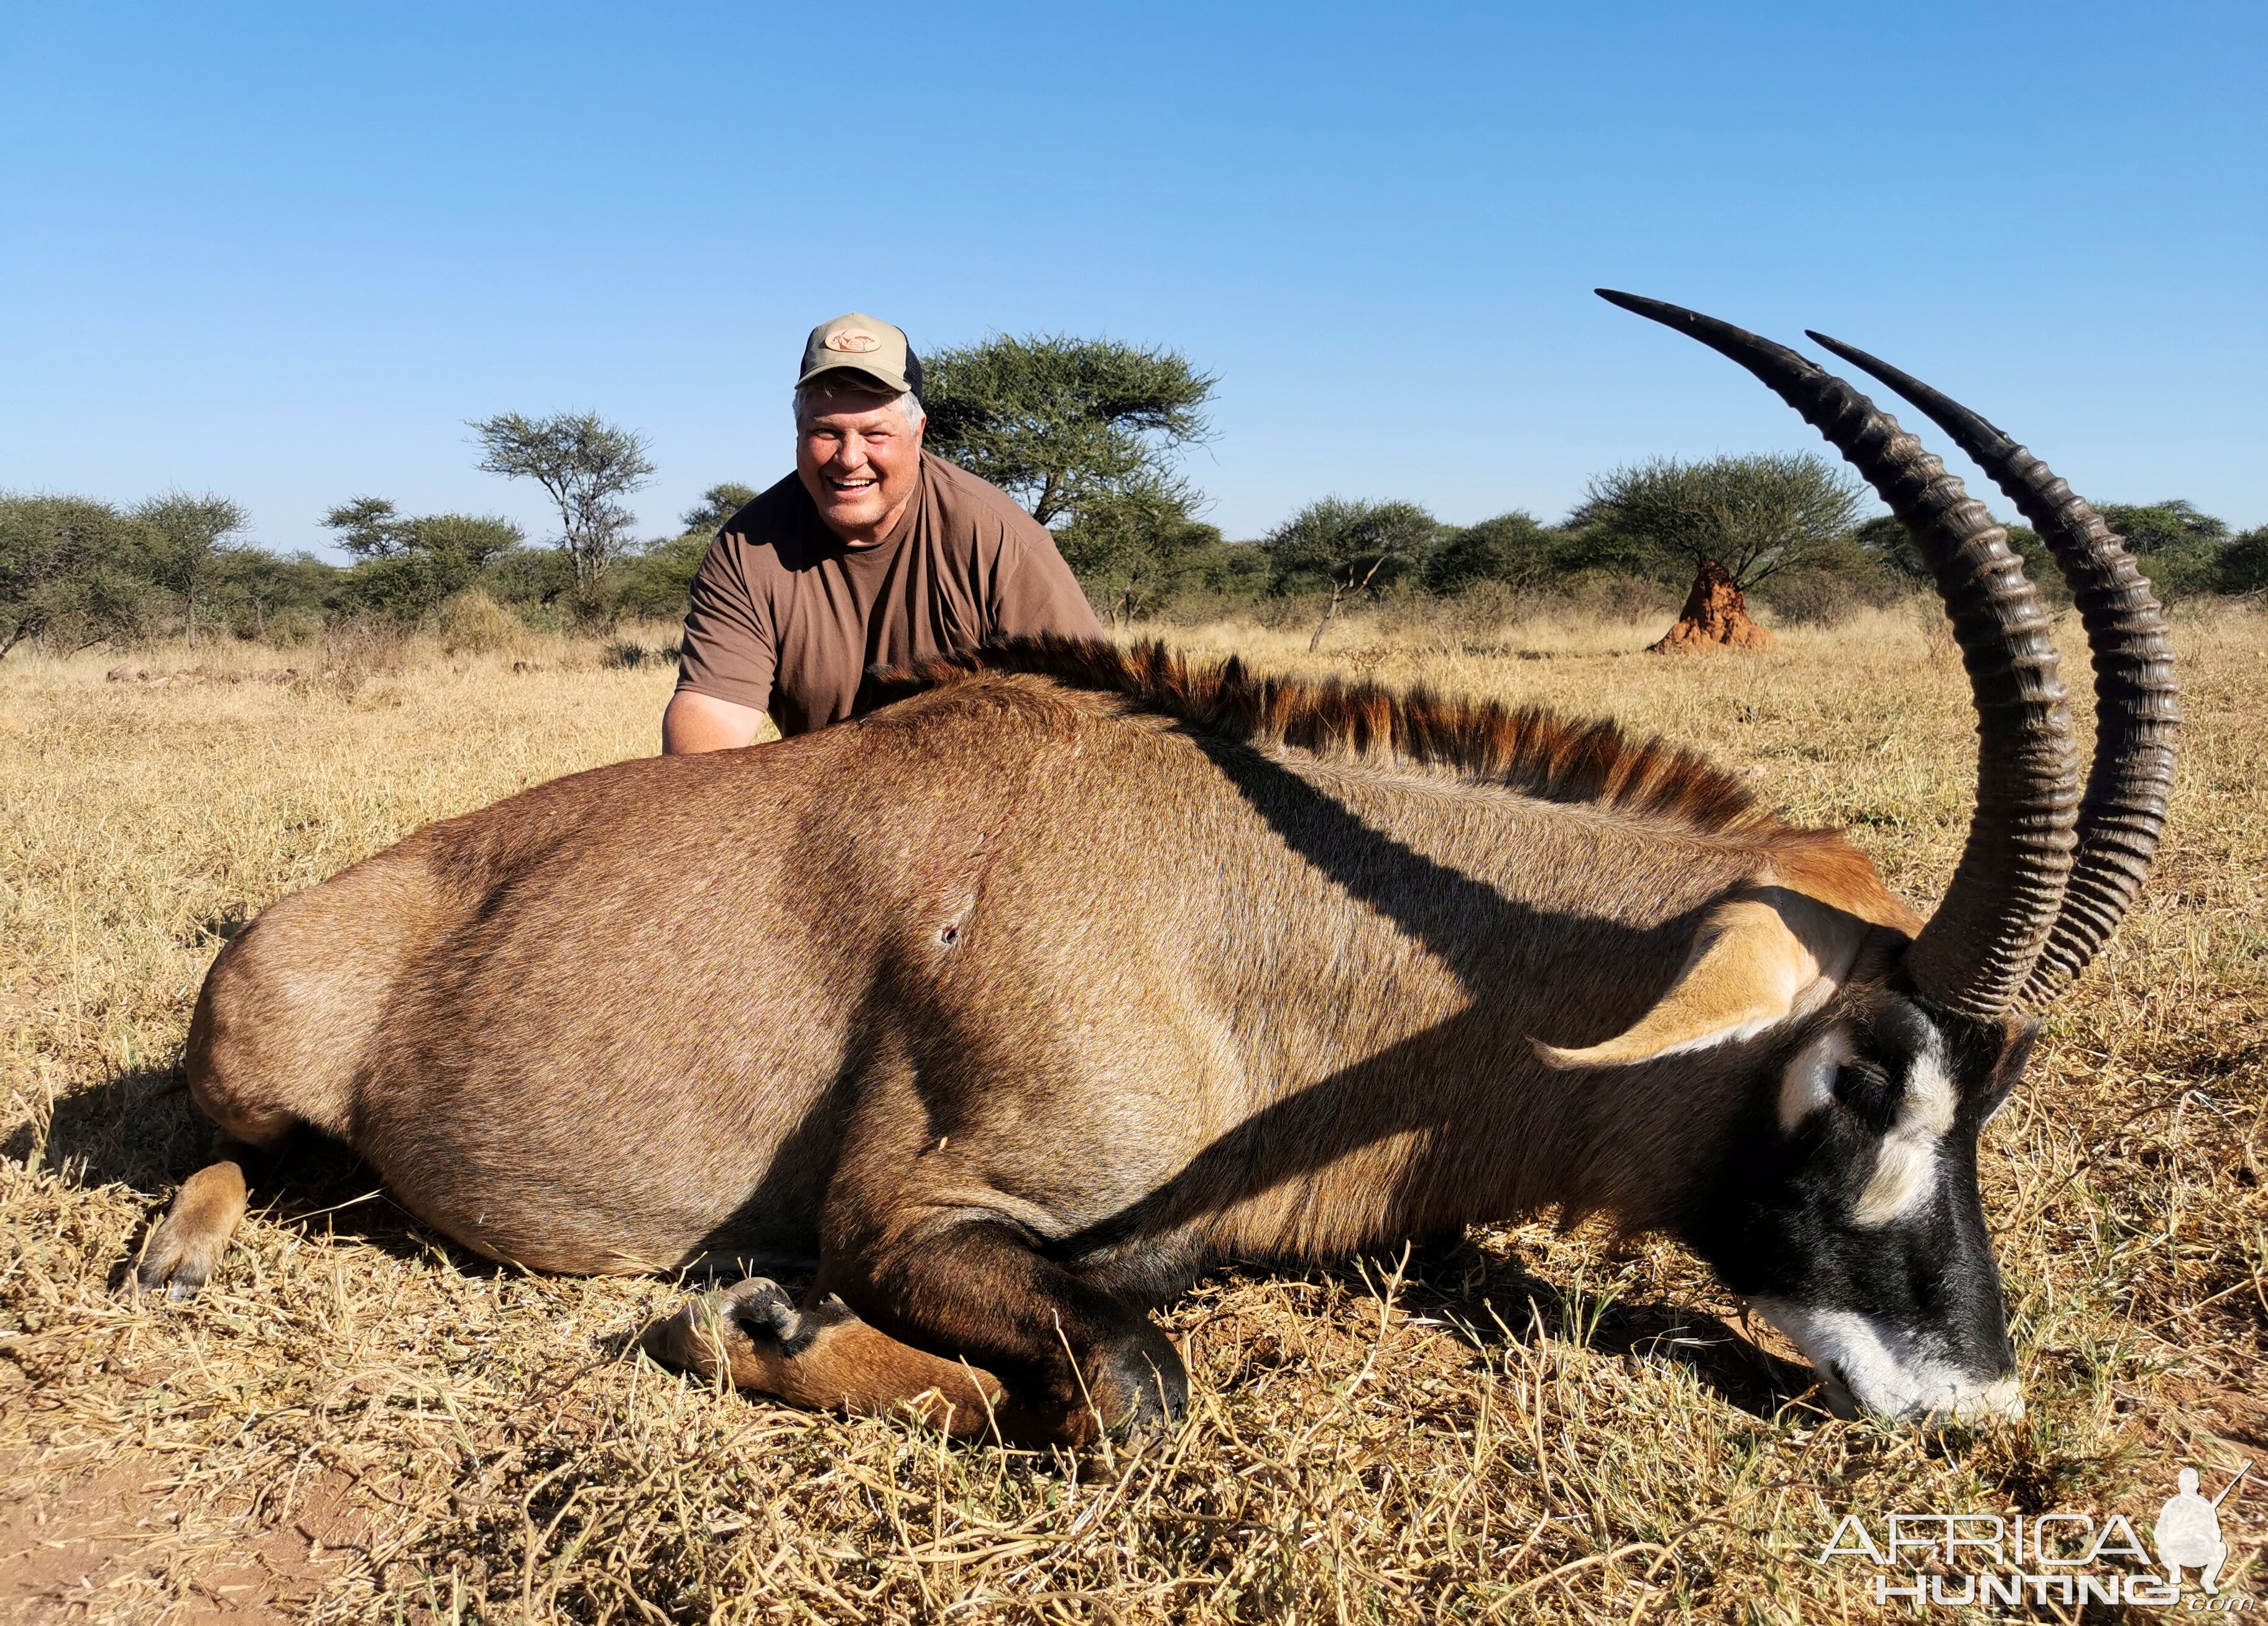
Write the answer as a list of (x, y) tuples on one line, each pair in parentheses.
[(872, 553)]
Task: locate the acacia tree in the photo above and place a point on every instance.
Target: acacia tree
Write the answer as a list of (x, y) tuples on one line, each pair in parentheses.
[(188, 536), (2179, 548), (2242, 566), (1086, 434), (265, 584), (408, 564), (2175, 525), (718, 503), (1130, 546), (71, 568), (1336, 540), (1733, 521), (584, 464), (1347, 547), (1513, 548)]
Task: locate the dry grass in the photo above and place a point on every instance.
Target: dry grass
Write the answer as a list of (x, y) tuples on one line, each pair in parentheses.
[(360, 1422)]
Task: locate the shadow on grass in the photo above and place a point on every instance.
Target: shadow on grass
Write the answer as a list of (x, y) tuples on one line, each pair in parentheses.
[(139, 1129), (135, 1129), (1492, 1300)]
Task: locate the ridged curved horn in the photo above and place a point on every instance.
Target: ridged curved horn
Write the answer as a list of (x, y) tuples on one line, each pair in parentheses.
[(1979, 949), (2137, 705)]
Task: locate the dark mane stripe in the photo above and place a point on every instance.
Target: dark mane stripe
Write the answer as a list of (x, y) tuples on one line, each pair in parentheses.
[(1528, 749)]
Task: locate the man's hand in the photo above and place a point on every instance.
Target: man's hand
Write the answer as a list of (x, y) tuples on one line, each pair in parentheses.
[(696, 723)]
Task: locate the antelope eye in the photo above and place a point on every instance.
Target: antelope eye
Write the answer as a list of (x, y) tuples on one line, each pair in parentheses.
[(1863, 1088)]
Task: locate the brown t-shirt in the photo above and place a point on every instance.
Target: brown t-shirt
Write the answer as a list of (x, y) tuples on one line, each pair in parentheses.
[(786, 619)]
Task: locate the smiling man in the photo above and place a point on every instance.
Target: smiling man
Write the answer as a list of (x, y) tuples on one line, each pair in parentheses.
[(872, 553)]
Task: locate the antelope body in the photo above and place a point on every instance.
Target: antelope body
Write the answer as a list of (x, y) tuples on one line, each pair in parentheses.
[(1063, 973)]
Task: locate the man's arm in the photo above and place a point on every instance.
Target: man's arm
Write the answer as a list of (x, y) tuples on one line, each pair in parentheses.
[(696, 722), (727, 649)]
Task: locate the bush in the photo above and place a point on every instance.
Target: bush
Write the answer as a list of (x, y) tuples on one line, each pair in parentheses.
[(2185, 572), (1348, 544), (1821, 598), (1487, 606), (74, 572), (2242, 566), (656, 584), (628, 654), (591, 609), (1194, 607), (403, 587), (2181, 550), (528, 577), (1511, 548), (1231, 571), (473, 623), (292, 628), (1290, 611), (1615, 595)]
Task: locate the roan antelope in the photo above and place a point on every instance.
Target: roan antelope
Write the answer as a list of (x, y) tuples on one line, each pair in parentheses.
[(1064, 972)]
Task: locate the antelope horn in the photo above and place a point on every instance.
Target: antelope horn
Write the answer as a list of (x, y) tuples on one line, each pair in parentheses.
[(1978, 952), (2136, 703)]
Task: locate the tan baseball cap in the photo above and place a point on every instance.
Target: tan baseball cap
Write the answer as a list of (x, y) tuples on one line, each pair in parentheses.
[(856, 343)]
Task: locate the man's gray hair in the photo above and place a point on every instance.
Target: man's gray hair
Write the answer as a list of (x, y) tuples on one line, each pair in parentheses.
[(909, 405)]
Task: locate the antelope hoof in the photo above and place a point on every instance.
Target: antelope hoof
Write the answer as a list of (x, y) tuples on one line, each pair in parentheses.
[(1139, 1383), (180, 1259), (747, 1320)]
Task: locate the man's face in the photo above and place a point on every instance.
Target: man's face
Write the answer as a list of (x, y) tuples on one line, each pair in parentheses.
[(860, 461)]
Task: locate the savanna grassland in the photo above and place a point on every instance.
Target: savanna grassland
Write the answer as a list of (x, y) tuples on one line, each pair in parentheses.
[(359, 1422)]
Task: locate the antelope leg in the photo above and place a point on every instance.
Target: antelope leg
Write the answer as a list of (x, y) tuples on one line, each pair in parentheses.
[(822, 1356), (1070, 1356), (185, 1250)]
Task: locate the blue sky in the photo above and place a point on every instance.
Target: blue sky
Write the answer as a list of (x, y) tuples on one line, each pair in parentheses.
[(284, 251)]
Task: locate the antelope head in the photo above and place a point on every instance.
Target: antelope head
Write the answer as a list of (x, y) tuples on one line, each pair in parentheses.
[(1845, 1203)]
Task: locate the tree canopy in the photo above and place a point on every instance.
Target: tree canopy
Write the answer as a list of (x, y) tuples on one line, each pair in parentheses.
[(1062, 425), (1130, 546), (1086, 434), (187, 536), (584, 464), (718, 503), (1755, 516), (2242, 566), (72, 570), (408, 565), (1336, 543), (2181, 549), (2162, 527), (1514, 548)]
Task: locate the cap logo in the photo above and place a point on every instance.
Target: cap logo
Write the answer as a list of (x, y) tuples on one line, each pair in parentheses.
[(854, 342)]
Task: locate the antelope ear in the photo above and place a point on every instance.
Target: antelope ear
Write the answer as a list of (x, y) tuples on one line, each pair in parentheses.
[(1760, 957)]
